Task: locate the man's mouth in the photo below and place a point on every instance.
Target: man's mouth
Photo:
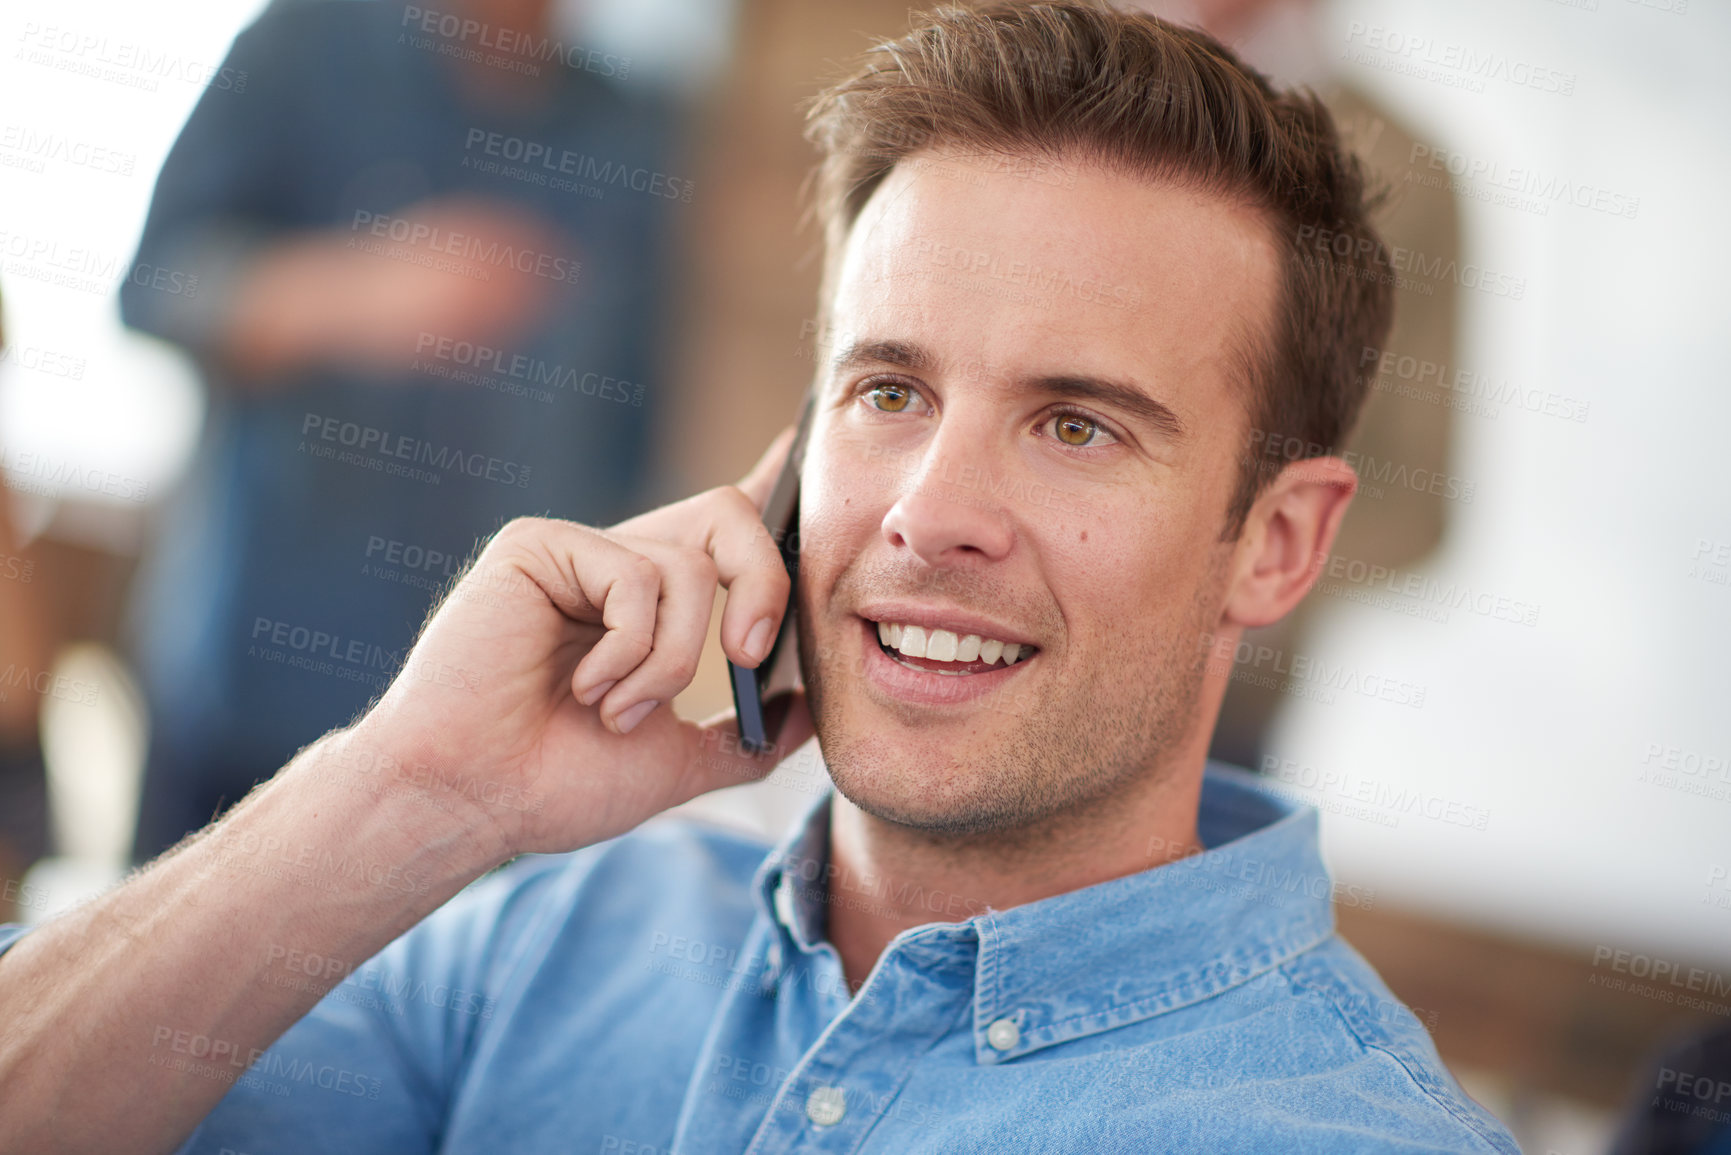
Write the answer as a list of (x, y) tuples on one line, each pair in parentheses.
[(940, 651)]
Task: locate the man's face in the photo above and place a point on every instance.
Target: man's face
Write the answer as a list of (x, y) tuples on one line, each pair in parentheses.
[(1027, 430)]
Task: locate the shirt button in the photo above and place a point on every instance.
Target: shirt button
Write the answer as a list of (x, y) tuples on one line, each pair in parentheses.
[(825, 1106), (1004, 1034)]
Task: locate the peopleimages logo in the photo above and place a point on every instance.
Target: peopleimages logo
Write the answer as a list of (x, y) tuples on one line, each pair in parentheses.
[(1468, 385), (1528, 181), (47, 683), (1674, 975), (487, 360), (464, 32), (30, 471), (1457, 65), (1364, 582), (226, 1060), (1303, 675), (466, 246), (49, 362), (363, 440), (1279, 450), (22, 146), (42, 258), (124, 62), (541, 161), (1385, 802), (305, 639)]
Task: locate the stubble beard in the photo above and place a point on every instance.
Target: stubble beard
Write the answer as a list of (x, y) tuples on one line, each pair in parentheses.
[(1040, 760)]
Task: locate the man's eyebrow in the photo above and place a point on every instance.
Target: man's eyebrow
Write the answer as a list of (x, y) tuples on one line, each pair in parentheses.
[(1075, 387), (1116, 394), (857, 354)]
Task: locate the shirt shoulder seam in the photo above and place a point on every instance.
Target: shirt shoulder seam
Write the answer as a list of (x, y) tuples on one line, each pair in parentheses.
[(1420, 1080)]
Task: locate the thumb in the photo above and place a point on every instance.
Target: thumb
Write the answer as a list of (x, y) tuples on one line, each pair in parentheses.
[(717, 759), (758, 484)]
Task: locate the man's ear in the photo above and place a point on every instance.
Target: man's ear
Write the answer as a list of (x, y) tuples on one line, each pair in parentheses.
[(1286, 537)]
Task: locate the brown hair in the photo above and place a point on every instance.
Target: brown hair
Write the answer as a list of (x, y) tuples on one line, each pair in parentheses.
[(1163, 102)]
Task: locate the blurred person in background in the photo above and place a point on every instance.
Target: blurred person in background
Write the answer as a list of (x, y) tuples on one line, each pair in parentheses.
[(1683, 1104), (1399, 525), (27, 646), (421, 257)]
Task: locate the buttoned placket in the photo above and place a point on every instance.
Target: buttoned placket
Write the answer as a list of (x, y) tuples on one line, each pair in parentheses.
[(849, 1079)]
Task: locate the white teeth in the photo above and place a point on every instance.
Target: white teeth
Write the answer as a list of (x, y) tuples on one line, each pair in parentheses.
[(941, 646), (946, 646)]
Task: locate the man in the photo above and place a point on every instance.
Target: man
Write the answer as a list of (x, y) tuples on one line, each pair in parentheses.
[(421, 310), (1064, 284)]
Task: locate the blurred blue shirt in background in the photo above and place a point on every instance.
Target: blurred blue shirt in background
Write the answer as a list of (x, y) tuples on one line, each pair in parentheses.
[(327, 506)]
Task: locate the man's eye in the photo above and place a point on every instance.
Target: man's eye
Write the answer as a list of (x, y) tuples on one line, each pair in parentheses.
[(1079, 430), (890, 396)]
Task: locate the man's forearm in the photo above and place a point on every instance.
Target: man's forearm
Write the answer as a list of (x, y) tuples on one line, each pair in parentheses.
[(100, 1004), (503, 733), (287, 313)]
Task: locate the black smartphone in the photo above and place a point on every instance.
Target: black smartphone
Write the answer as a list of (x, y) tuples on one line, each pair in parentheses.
[(760, 726)]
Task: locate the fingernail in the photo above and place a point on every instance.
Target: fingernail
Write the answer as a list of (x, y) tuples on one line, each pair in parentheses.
[(598, 692), (628, 720), (757, 641)]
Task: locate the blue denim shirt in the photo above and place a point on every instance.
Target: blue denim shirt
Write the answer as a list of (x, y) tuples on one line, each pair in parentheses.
[(672, 991)]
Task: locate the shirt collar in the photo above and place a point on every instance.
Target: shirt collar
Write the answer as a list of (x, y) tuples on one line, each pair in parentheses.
[(782, 886), (1120, 951)]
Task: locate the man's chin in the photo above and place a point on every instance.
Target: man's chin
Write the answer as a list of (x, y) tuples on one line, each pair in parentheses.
[(934, 793)]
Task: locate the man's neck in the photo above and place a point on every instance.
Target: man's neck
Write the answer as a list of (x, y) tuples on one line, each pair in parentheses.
[(888, 877)]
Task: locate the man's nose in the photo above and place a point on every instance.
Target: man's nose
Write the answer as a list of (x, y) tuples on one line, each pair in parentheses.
[(948, 511)]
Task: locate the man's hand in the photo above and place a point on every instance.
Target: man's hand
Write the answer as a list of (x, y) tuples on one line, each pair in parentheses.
[(355, 296), (545, 674), (488, 713)]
